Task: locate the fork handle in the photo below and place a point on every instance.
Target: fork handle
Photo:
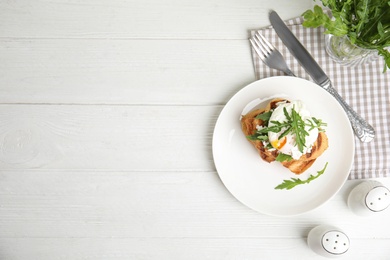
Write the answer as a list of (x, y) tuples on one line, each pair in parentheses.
[(364, 131)]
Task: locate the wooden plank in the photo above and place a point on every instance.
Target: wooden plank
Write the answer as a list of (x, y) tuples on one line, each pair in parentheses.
[(141, 204), (187, 19), (180, 248), (123, 71), (107, 137)]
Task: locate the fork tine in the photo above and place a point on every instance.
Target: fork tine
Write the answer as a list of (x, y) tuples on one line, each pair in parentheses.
[(258, 49), (266, 42), (263, 43), (269, 54)]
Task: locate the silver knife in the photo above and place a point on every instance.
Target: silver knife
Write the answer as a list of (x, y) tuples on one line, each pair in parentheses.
[(362, 129)]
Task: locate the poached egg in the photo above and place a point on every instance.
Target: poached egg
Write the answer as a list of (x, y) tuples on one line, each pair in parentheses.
[(287, 144)]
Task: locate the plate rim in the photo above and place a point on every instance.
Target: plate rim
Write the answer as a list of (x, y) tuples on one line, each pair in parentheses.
[(277, 78)]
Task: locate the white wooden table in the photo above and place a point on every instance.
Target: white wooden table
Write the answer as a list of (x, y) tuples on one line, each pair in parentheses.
[(107, 109)]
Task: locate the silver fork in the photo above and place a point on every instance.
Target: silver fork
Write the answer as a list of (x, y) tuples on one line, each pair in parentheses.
[(269, 54)]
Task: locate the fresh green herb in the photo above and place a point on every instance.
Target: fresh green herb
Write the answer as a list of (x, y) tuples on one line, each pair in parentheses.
[(263, 137), (294, 124), (317, 18), (256, 137), (299, 129), (316, 123), (264, 116), (283, 157), (289, 184), (252, 137), (365, 22)]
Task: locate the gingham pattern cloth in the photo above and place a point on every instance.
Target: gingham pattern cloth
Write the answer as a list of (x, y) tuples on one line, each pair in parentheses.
[(366, 89)]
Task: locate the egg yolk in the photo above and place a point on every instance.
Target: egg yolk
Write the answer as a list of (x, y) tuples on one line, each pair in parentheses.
[(278, 144)]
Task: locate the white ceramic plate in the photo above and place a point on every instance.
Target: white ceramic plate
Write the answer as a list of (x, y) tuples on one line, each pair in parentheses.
[(252, 180)]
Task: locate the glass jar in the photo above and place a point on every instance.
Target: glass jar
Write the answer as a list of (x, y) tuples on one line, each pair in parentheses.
[(342, 51)]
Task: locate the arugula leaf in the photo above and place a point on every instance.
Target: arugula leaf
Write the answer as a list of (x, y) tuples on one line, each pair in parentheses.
[(293, 124), (298, 126), (264, 116), (277, 127), (283, 157), (365, 22), (252, 137), (386, 56), (319, 18), (257, 137), (289, 184), (316, 123)]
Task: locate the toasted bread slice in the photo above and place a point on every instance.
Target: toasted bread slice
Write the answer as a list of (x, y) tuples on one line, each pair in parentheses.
[(249, 122), (298, 166)]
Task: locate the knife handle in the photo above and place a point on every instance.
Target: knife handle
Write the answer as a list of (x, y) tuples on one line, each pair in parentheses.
[(364, 131)]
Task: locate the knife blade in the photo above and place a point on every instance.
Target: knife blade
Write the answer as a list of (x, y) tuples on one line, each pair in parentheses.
[(364, 131), (297, 49)]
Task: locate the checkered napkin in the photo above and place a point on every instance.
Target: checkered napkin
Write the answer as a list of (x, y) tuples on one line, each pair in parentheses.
[(366, 89)]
